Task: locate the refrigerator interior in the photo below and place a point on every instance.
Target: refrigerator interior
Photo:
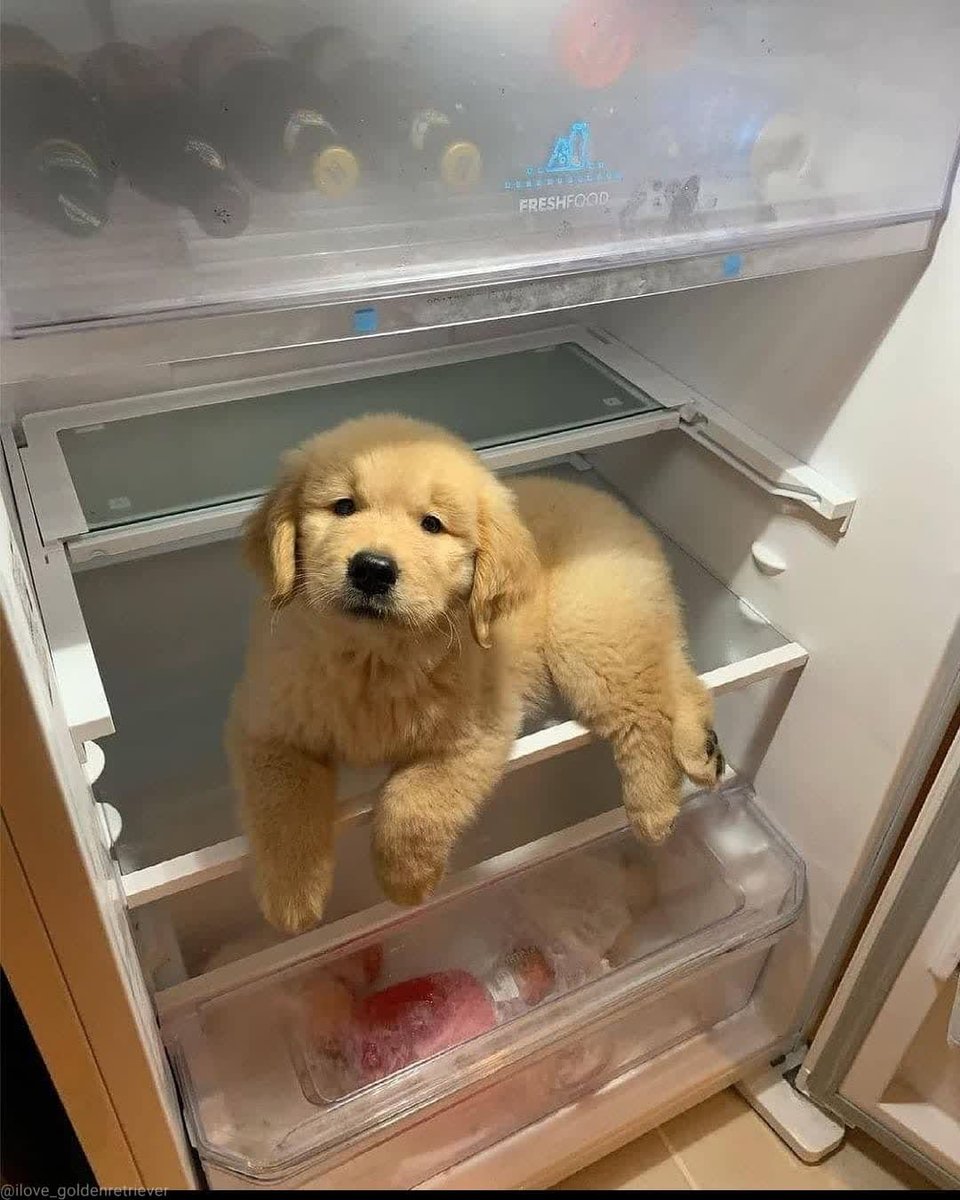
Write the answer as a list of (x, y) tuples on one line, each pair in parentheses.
[(164, 769), (830, 644), (167, 668), (164, 773)]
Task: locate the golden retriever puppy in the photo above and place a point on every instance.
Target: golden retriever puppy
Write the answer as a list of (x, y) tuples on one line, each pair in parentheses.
[(415, 608)]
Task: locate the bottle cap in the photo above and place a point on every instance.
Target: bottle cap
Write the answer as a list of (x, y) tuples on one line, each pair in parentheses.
[(783, 144), (461, 165), (335, 172), (532, 973)]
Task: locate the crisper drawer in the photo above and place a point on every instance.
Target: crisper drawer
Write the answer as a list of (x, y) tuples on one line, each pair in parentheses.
[(249, 153), (394, 1055)]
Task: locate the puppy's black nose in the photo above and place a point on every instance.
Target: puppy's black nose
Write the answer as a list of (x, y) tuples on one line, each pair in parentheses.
[(371, 573)]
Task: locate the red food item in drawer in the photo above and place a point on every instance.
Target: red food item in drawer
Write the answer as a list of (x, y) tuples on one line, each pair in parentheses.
[(415, 1019)]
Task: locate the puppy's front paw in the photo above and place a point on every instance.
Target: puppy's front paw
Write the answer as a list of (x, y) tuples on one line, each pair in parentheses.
[(405, 886), (293, 904), (408, 869)]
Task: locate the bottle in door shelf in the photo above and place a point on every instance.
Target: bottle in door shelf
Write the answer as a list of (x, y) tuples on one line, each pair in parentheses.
[(161, 137), (412, 1020), (55, 162), (408, 131), (274, 119), (329, 53), (719, 124), (597, 42)]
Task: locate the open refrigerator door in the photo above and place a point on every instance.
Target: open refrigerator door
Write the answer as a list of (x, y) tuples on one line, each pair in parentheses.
[(886, 1055)]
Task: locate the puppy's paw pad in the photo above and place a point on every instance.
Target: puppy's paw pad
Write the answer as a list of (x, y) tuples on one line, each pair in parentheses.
[(715, 760), (704, 763)]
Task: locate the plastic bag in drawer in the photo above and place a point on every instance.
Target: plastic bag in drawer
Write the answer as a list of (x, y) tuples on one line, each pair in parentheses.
[(496, 956)]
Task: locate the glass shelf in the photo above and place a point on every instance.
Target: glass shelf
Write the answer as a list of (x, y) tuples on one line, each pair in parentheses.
[(186, 459)]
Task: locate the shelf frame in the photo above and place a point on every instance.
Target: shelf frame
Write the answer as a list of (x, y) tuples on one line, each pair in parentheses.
[(548, 285), (198, 867), (61, 518), (60, 515)]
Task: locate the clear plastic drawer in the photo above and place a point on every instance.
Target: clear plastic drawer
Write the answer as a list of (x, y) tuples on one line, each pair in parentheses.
[(491, 1009)]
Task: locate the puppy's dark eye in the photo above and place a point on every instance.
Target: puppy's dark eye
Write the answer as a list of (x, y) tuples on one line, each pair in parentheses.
[(344, 507), (432, 524)]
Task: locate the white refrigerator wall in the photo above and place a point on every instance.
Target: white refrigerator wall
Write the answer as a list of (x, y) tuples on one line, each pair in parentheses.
[(857, 371)]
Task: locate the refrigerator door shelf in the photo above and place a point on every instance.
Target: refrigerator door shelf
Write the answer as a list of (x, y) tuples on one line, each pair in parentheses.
[(754, 141)]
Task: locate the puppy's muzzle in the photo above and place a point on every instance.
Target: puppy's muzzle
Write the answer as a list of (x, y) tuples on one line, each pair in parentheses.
[(372, 574)]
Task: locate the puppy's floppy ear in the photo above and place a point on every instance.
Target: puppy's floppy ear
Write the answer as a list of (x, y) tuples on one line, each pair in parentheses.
[(505, 571), (270, 534)]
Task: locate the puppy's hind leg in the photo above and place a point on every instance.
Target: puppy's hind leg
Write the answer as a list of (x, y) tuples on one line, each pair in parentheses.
[(614, 648), (626, 702), (606, 657), (694, 738)]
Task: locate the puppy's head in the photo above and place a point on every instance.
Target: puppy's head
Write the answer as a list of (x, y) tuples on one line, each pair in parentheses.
[(390, 520)]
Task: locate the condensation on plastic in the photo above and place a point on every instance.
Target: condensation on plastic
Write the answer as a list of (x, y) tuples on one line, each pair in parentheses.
[(662, 122)]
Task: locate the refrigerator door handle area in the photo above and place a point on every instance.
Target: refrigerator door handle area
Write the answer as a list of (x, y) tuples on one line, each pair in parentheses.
[(82, 957)]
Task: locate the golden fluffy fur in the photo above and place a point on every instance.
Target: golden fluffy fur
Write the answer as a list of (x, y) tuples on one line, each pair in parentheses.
[(526, 583)]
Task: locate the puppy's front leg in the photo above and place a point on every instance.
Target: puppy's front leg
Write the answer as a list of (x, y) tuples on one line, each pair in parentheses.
[(426, 805), (288, 810)]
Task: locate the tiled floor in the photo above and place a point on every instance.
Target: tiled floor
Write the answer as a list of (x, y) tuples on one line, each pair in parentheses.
[(724, 1144)]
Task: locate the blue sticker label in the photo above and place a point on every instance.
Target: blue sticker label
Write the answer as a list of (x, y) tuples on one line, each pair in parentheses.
[(732, 266), (568, 163), (365, 320)]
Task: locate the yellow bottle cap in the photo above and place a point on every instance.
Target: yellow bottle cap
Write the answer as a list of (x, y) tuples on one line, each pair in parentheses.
[(461, 164), (335, 171)]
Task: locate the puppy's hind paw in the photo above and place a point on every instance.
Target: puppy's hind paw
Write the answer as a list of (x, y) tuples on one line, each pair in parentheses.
[(703, 761), (717, 764)]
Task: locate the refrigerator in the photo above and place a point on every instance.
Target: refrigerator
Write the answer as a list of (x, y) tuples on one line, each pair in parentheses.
[(701, 256)]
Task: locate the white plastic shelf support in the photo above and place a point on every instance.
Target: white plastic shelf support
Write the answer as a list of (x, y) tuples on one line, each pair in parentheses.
[(765, 464)]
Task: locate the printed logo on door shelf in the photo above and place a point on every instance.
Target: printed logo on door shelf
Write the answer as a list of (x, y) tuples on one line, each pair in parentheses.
[(568, 164)]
